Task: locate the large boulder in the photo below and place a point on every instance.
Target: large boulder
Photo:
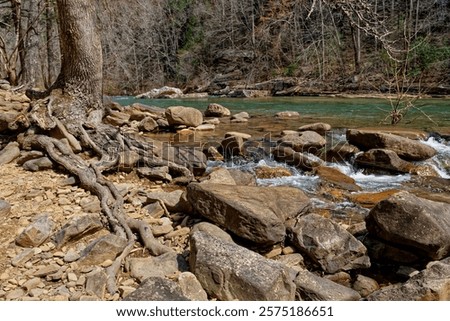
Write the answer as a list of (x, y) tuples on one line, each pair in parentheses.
[(406, 148), (328, 244), (188, 116), (384, 159), (228, 271), (254, 213), (307, 141), (415, 223), (431, 284)]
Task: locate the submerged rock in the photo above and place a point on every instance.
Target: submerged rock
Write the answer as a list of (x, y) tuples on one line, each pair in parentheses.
[(413, 222), (228, 271), (254, 213)]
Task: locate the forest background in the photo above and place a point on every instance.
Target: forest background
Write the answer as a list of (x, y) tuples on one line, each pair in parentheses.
[(206, 45)]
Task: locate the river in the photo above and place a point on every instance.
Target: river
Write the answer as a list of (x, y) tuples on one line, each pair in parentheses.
[(339, 112)]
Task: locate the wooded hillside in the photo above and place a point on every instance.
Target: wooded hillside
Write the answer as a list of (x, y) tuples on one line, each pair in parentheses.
[(207, 45)]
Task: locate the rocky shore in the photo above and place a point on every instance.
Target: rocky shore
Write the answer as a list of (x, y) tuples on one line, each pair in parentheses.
[(231, 237)]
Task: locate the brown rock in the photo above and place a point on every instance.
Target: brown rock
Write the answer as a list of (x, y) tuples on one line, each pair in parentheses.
[(105, 248), (406, 148), (36, 233), (336, 178), (179, 115), (320, 128)]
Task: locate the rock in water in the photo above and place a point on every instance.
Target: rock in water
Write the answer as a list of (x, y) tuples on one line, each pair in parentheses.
[(228, 271), (406, 148), (328, 244), (414, 223), (254, 213), (216, 110), (320, 128), (179, 115)]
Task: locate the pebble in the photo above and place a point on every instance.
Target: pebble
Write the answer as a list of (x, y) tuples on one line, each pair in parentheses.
[(106, 263), (81, 280), (22, 257), (32, 284), (47, 270), (4, 276), (71, 256), (72, 277), (36, 292)]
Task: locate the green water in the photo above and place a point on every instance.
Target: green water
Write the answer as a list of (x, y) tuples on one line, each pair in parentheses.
[(342, 112)]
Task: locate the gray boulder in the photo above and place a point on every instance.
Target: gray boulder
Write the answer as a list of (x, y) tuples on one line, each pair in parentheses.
[(228, 271), (188, 116), (254, 213), (406, 148), (328, 244), (157, 289), (414, 223), (164, 265), (431, 284), (311, 287)]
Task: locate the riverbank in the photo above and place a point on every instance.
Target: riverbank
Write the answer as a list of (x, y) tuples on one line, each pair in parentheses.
[(315, 212)]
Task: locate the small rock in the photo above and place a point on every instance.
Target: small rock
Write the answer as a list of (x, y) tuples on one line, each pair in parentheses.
[(9, 153), (155, 174), (287, 114), (165, 228), (36, 233), (71, 256), (33, 283), (5, 209), (365, 285), (96, 283), (72, 277), (23, 257), (174, 201), (320, 128), (102, 249), (154, 210), (77, 228), (191, 287), (15, 294), (38, 164), (47, 270)]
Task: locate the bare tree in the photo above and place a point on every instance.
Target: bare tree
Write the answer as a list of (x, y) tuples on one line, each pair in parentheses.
[(73, 106)]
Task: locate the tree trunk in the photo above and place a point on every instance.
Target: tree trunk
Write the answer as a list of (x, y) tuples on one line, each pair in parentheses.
[(80, 78), (30, 68)]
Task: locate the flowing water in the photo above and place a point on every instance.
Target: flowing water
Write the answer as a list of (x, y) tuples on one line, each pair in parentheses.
[(341, 113)]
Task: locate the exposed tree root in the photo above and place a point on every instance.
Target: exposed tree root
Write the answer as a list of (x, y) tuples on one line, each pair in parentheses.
[(108, 143)]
